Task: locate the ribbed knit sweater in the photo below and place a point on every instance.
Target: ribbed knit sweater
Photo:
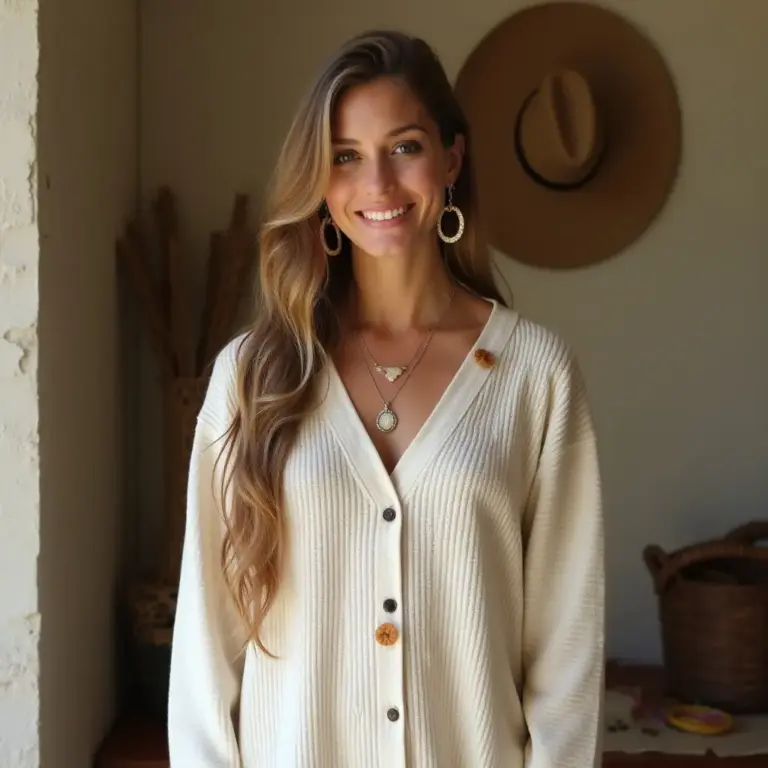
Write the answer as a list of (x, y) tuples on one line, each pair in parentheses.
[(447, 615)]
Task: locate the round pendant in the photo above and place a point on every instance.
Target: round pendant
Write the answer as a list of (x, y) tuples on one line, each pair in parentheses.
[(386, 421)]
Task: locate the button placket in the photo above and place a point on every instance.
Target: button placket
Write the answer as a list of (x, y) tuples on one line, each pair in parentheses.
[(389, 638)]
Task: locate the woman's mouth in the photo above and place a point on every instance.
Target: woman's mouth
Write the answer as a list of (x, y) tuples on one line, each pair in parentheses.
[(385, 217)]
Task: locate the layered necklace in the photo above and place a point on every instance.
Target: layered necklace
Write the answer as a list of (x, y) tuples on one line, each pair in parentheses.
[(386, 419)]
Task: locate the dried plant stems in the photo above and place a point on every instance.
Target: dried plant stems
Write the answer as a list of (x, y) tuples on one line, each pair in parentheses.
[(132, 256), (173, 280), (229, 265), (164, 300), (183, 360)]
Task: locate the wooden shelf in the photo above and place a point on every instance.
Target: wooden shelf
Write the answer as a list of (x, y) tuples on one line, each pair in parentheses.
[(651, 680)]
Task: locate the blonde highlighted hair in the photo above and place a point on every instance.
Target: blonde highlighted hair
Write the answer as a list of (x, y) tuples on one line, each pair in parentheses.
[(295, 328)]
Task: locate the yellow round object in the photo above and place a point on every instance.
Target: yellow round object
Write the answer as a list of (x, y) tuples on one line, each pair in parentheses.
[(701, 720)]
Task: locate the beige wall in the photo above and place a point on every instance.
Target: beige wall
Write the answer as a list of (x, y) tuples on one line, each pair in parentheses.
[(87, 172), (673, 335), (68, 177)]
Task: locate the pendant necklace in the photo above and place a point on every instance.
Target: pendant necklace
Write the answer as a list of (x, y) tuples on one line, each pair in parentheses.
[(386, 419), (391, 372)]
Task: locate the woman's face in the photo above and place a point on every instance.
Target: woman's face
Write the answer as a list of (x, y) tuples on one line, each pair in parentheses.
[(390, 170)]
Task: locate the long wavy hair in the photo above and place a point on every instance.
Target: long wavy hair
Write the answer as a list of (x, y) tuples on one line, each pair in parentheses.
[(296, 326)]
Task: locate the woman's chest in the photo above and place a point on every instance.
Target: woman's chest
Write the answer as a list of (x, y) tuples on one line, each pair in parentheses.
[(395, 403), (478, 477)]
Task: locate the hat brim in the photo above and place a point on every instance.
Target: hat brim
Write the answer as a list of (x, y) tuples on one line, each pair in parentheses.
[(637, 101)]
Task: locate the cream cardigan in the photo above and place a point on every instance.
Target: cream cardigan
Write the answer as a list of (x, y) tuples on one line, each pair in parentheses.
[(449, 615)]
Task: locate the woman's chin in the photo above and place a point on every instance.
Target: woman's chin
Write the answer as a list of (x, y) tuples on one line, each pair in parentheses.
[(393, 246)]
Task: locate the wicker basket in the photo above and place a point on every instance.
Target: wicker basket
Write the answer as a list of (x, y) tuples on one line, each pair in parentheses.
[(713, 607), (152, 608)]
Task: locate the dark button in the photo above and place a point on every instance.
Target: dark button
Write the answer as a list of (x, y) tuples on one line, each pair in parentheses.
[(389, 514), (390, 605), (393, 714)]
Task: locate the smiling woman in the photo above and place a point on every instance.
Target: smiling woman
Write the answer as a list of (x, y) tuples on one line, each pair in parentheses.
[(393, 551), (390, 170)]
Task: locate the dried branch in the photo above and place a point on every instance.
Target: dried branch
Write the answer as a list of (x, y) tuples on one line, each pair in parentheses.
[(174, 280), (132, 256), (232, 255)]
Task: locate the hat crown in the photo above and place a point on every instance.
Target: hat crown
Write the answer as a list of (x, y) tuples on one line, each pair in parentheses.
[(568, 99), (560, 136)]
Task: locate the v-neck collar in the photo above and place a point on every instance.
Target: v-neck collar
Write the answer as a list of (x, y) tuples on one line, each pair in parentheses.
[(342, 417)]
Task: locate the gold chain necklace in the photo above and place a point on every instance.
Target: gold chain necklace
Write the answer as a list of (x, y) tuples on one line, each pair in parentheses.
[(390, 372), (386, 419)]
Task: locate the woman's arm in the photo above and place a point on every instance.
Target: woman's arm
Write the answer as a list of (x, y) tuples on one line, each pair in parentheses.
[(206, 666), (563, 631)]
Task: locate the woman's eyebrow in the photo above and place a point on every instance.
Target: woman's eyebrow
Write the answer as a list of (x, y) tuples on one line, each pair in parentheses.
[(391, 134)]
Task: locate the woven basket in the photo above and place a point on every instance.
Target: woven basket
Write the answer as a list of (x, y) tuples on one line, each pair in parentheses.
[(152, 608), (713, 608)]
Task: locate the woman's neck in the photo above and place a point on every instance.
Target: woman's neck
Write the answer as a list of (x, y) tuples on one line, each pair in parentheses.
[(396, 295)]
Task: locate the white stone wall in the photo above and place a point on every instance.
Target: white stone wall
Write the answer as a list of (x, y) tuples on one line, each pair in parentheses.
[(19, 464)]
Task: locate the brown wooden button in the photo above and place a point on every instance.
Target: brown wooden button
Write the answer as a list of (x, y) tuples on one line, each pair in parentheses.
[(387, 634), (484, 358)]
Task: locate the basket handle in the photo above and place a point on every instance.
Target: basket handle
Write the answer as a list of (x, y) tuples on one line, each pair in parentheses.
[(655, 558), (664, 567), (749, 533)]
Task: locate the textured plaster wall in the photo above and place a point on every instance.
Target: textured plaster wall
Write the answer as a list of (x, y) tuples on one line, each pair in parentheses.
[(673, 334), (19, 444)]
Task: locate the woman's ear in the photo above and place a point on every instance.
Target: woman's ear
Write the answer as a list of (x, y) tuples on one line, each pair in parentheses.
[(455, 158)]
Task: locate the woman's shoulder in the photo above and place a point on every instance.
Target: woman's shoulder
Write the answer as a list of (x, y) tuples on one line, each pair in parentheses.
[(542, 368), (535, 347), (220, 399)]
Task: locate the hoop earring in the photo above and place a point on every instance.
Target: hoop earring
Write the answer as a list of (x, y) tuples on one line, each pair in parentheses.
[(450, 208), (337, 232)]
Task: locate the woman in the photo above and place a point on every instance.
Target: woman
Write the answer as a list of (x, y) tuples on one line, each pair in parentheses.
[(408, 567)]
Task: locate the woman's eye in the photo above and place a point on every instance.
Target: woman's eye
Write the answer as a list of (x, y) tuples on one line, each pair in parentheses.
[(403, 148), (343, 157), (408, 148)]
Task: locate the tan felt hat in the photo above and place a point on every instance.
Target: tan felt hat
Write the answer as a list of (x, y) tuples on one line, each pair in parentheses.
[(576, 133)]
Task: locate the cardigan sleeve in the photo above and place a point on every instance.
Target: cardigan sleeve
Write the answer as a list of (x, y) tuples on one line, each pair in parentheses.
[(563, 624), (206, 660)]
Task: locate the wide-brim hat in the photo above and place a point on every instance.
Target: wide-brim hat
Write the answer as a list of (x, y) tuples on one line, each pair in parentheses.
[(576, 133)]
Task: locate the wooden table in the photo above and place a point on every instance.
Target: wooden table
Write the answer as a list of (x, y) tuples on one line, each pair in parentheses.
[(137, 744), (651, 680), (134, 743)]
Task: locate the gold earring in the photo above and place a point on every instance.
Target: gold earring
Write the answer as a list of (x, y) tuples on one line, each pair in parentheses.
[(451, 208), (337, 233)]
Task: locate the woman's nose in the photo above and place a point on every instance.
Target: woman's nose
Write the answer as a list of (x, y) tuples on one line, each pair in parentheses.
[(380, 175)]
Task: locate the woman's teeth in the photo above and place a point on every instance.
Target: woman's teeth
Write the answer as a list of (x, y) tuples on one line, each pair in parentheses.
[(384, 215)]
